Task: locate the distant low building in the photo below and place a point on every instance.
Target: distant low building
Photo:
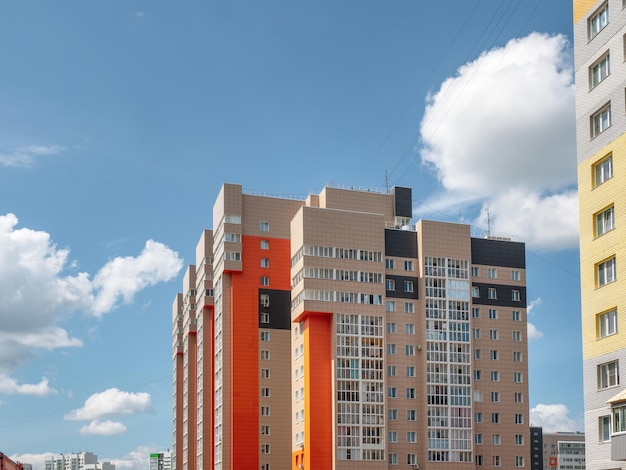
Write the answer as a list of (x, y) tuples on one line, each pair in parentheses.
[(557, 451), (8, 464), (161, 461), (76, 461)]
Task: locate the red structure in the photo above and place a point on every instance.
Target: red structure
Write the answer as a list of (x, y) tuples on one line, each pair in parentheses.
[(8, 464)]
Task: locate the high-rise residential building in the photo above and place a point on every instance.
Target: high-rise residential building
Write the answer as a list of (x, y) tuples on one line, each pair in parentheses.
[(76, 461), (563, 451), (600, 75), (328, 332)]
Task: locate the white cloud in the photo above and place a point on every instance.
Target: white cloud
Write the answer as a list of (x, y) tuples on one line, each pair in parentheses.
[(38, 461), (533, 332), (135, 460), (103, 428), (533, 304), (25, 156), (36, 292), (124, 277), (502, 131), (9, 386), (111, 402), (553, 418)]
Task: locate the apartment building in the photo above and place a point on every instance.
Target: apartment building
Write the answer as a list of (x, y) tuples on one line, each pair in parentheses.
[(600, 74), (328, 332), (76, 461), (563, 451)]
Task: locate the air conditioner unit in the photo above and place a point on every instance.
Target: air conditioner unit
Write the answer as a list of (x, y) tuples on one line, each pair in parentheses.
[(416, 466)]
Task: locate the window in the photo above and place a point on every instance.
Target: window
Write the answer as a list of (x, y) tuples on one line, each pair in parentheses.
[(608, 375), (517, 356), (265, 373), (390, 284), (495, 397), (519, 418), (264, 226), (265, 244), (264, 300), (495, 418), (599, 70), (409, 307), (476, 333), (493, 314), (605, 272), (478, 396), (265, 335), (265, 280), (604, 221), (265, 392), (598, 20), (391, 348), (408, 265), (619, 419), (475, 292), (495, 439), (265, 262), (410, 436), (264, 317), (519, 461), (495, 376), (607, 323), (390, 306), (492, 273), (519, 439), (476, 353), (478, 417), (518, 377), (518, 397), (515, 276), (493, 294), (265, 448), (265, 466), (265, 411), (515, 295), (479, 460), (475, 312), (393, 459), (475, 271), (494, 355), (392, 392), (391, 327), (478, 438), (410, 415), (411, 459), (603, 170), (393, 436), (265, 354), (390, 263), (516, 315), (409, 350), (601, 120), (409, 328), (393, 415), (265, 430), (410, 371), (517, 336), (408, 286), (604, 426), (392, 371), (495, 461), (493, 334)]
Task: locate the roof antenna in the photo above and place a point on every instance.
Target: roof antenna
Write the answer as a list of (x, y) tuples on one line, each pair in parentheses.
[(386, 181), (488, 223)]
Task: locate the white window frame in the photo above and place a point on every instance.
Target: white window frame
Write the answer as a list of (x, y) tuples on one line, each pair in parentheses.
[(492, 273), (598, 21), (603, 170), (408, 286), (608, 375), (601, 120), (607, 323), (492, 293), (606, 272), (390, 284), (515, 295), (409, 307), (264, 226), (599, 70), (604, 220), (604, 428)]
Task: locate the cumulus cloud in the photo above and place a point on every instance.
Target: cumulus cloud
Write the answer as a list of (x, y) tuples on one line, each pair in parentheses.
[(38, 461), (103, 428), (111, 402), (533, 332), (25, 156), (553, 418), (135, 460), (502, 132), (36, 293), (9, 386)]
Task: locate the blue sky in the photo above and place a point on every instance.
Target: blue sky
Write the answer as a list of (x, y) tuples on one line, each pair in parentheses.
[(120, 120)]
